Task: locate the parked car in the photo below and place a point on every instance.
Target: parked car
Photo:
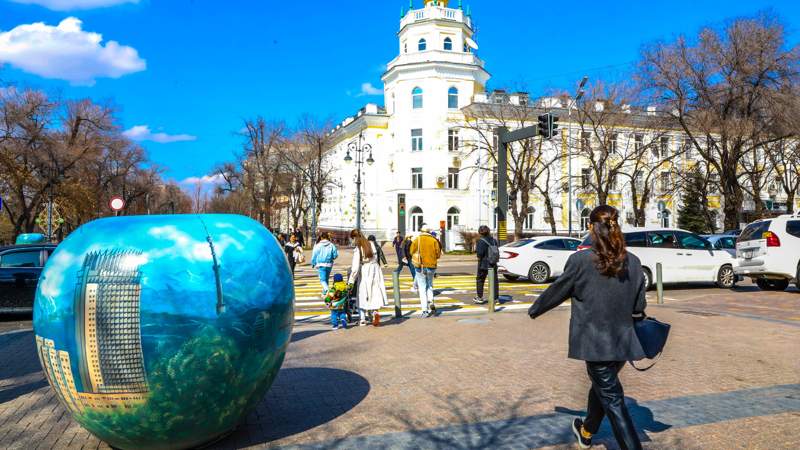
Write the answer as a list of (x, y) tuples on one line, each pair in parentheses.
[(685, 257), (20, 267), (725, 242), (732, 232), (538, 259), (768, 251)]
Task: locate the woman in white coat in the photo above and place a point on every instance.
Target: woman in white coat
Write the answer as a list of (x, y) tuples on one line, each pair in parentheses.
[(371, 288)]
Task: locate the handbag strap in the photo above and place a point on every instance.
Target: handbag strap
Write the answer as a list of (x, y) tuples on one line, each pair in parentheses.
[(655, 360)]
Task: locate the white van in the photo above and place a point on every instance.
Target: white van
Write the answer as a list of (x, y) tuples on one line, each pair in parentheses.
[(768, 251), (684, 256)]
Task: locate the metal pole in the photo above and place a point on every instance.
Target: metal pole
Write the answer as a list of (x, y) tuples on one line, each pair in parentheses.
[(358, 190), (502, 189), (313, 220), (492, 298), (659, 284), (569, 168), (398, 312)]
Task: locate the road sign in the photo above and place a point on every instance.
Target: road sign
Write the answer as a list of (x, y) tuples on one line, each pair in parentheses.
[(116, 203)]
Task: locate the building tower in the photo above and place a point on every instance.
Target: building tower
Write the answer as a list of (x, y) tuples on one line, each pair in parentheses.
[(107, 311), (435, 75)]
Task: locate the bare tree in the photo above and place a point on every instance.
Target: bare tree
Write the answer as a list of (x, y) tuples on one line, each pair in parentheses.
[(261, 164), (784, 156), (727, 92), (528, 160)]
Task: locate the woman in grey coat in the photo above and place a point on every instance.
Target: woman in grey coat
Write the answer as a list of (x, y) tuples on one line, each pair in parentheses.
[(607, 289)]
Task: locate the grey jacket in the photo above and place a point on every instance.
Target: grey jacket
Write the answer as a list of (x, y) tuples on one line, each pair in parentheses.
[(601, 326)]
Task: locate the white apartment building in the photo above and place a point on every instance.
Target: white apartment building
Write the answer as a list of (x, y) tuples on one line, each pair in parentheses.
[(427, 157)]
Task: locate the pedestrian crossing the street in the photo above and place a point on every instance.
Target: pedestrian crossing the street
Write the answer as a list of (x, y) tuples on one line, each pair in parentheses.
[(453, 292)]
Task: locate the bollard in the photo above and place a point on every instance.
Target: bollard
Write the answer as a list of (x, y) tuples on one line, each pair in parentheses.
[(659, 284), (398, 313), (492, 299)]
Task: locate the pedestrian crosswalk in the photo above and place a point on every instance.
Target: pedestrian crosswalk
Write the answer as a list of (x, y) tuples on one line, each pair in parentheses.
[(453, 292)]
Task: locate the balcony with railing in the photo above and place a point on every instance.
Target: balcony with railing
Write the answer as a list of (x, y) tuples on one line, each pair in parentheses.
[(433, 13)]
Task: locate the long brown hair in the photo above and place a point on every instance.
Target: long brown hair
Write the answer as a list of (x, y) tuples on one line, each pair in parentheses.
[(363, 244), (607, 241)]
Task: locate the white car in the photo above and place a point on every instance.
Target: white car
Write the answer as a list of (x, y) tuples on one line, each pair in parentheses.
[(768, 251), (684, 256), (538, 259)]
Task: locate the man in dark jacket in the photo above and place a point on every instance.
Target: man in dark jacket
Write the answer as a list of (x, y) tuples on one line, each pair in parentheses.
[(485, 240)]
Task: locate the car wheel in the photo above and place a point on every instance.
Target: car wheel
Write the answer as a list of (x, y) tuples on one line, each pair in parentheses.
[(539, 272), (510, 277), (648, 279), (772, 285), (726, 278)]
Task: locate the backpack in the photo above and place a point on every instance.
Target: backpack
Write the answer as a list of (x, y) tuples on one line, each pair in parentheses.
[(492, 253)]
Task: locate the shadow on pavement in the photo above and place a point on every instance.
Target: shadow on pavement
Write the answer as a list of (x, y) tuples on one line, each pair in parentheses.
[(23, 345), (300, 335), (642, 417), (300, 399), (6, 395)]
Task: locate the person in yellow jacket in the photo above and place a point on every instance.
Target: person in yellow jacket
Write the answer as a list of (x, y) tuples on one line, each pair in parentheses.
[(425, 252)]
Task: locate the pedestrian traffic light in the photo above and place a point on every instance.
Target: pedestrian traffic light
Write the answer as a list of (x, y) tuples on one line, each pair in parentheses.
[(544, 126)]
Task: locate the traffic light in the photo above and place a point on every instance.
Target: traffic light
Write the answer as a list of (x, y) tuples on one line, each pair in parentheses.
[(544, 126), (553, 125)]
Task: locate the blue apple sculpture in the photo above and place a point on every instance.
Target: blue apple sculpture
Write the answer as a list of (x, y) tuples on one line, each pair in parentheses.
[(164, 331)]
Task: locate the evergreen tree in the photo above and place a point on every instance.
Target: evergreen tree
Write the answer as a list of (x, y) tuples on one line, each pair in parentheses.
[(691, 215)]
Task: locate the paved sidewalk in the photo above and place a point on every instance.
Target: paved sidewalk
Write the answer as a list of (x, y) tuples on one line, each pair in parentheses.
[(474, 381)]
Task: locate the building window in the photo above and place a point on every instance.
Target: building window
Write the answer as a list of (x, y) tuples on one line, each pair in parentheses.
[(638, 180), (585, 141), (664, 181), (448, 44), (612, 142), (466, 48), (405, 47), (423, 44), (585, 218), (638, 142), (665, 216), (687, 148), (452, 217), (416, 218), (416, 178), (586, 178), (416, 98), (713, 183), (452, 98), (613, 184), (416, 140), (452, 178), (528, 225), (664, 144), (452, 139)]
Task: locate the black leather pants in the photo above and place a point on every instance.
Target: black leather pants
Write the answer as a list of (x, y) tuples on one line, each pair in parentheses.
[(606, 398)]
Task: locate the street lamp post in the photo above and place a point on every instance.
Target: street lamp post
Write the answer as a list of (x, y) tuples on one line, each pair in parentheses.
[(359, 148), (578, 96)]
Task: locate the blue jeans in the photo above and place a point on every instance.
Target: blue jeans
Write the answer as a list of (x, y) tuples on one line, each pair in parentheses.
[(324, 276), (401, 264), (424, 280), (338, 317)]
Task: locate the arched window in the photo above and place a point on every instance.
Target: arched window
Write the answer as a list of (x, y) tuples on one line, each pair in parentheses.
[(416, 98), (423, 44), (416, 218), (448, 44), (585, 218), (665, 218), (452, 217), (405, 47), (528, 225), (452, 98)]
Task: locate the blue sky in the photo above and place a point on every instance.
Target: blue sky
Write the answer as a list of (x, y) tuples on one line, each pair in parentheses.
[(186, 73)]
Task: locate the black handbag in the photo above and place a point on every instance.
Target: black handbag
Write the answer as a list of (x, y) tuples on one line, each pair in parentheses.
[(652, 336)]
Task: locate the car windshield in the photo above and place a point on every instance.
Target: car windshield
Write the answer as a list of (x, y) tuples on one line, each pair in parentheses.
[(520, 243), (755, 231)]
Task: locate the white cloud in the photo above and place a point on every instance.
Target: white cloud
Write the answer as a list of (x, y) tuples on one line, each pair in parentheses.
[(143, 133), (205, 179), (69, 5), (369, 89), (66, 52)]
